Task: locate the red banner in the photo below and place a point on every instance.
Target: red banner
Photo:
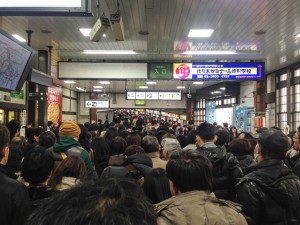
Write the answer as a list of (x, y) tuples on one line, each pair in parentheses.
[(54, 104)]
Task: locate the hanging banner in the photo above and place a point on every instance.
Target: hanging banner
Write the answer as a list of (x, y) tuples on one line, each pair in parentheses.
[(240, 115), (211, 112), (54, 104)]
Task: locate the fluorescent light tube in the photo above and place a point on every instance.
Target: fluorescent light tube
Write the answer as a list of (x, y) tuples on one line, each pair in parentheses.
[(97, 90), (151, 82), (97, 87), (18, 37), (41, 3), (104, 82), (85, 31), (81, 89), (198, 82), (200, 33), (180, 87), (70, 82), (143, 87)]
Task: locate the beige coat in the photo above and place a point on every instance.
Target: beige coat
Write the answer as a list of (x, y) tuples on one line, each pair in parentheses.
[(157, 161), (198, 208)]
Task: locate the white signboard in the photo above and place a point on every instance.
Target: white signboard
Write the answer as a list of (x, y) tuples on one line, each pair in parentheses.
[(140, 95), (152, 95), (169, 96), (97, 104), (130, 95)]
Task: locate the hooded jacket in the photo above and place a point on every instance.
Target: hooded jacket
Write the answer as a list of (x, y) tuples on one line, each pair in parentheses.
[(137, 164), (268, 193), (198, 208), (69, 146), (226, 170)]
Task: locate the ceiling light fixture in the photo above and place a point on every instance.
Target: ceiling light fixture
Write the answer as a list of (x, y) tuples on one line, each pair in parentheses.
[(200, 33), (85, 31), (151, 82), (97, 90), (198, 82), (143, 87), (209, 52), (180, 87), (104, 82), (97, 87), (81, 89), (222, 88), (109, 52), (297, 35), (18, 37), (70, 82)]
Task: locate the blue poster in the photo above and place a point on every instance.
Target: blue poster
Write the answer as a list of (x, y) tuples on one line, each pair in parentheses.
[(240, 115), (210, 112)]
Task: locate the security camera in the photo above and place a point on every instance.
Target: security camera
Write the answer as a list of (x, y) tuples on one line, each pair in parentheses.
[(243, 101), (189, 95)]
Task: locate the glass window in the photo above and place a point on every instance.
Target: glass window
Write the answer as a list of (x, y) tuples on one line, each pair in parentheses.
[(283, 77), (297, 73)]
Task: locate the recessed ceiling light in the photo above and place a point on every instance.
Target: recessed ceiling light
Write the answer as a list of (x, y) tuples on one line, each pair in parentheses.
[(217, 92), (200, 33), (97, 90), (104, 35), (222, 88), (70, 82), (151, 82), (18, 37), (198, 82), (109, 52), (143, 87), (104, 82), (209, 52), (297, 35), (97, 87), (85, 31), (180, 87), (81, 89)]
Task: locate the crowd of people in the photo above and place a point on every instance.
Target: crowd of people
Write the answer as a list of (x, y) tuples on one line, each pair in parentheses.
[(140, 170)]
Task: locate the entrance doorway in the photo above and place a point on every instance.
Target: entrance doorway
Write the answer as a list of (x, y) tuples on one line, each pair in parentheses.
[(224, 115)]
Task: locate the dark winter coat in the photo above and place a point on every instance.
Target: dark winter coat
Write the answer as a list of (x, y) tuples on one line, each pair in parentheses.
[(15, 203), (294, 163), (267, 192), (245, 161), (226, 170)]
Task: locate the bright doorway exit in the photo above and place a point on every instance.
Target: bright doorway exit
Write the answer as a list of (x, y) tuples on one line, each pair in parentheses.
[(224, 115)]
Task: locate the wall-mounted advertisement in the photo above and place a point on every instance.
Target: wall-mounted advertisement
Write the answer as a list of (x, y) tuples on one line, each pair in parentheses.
[(210, 112), (54, 104), (14, 97), (240, 116), (219, 71)]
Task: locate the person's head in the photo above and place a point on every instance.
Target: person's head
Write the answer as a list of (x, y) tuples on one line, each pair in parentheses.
[(4, 142), (72, 166), (36, 133), (205, 133), (272, 144), (240, 147), (133, 139), (150, 144), (105, 201), (37, 166), (133, 149), (117, 146), (69, 129), (222, 137), (189, 171), (47, 139), (14, 128), (29, 133), (110, 134), (191, 137), (296, 140), (156, 185), (50, 124), (18, 141), (225, 125), (169, 145), (100, 153)]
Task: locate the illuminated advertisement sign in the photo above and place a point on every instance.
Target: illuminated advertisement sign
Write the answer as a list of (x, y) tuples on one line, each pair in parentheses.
[(219, 71)]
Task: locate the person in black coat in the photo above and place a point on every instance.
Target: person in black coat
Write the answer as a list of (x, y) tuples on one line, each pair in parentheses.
[(294, 161), (226, 170), (15, 203), (270, 193)]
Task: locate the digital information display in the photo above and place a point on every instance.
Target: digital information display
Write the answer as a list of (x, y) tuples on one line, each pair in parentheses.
[(153, 95), (160, 71), (97, 104), (219, 71)]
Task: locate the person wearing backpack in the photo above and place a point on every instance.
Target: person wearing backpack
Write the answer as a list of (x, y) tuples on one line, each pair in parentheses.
[(270, 192)]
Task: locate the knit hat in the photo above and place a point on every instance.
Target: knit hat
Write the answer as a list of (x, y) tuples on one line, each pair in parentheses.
[(274, 141), (170, 145), (70, 129)]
